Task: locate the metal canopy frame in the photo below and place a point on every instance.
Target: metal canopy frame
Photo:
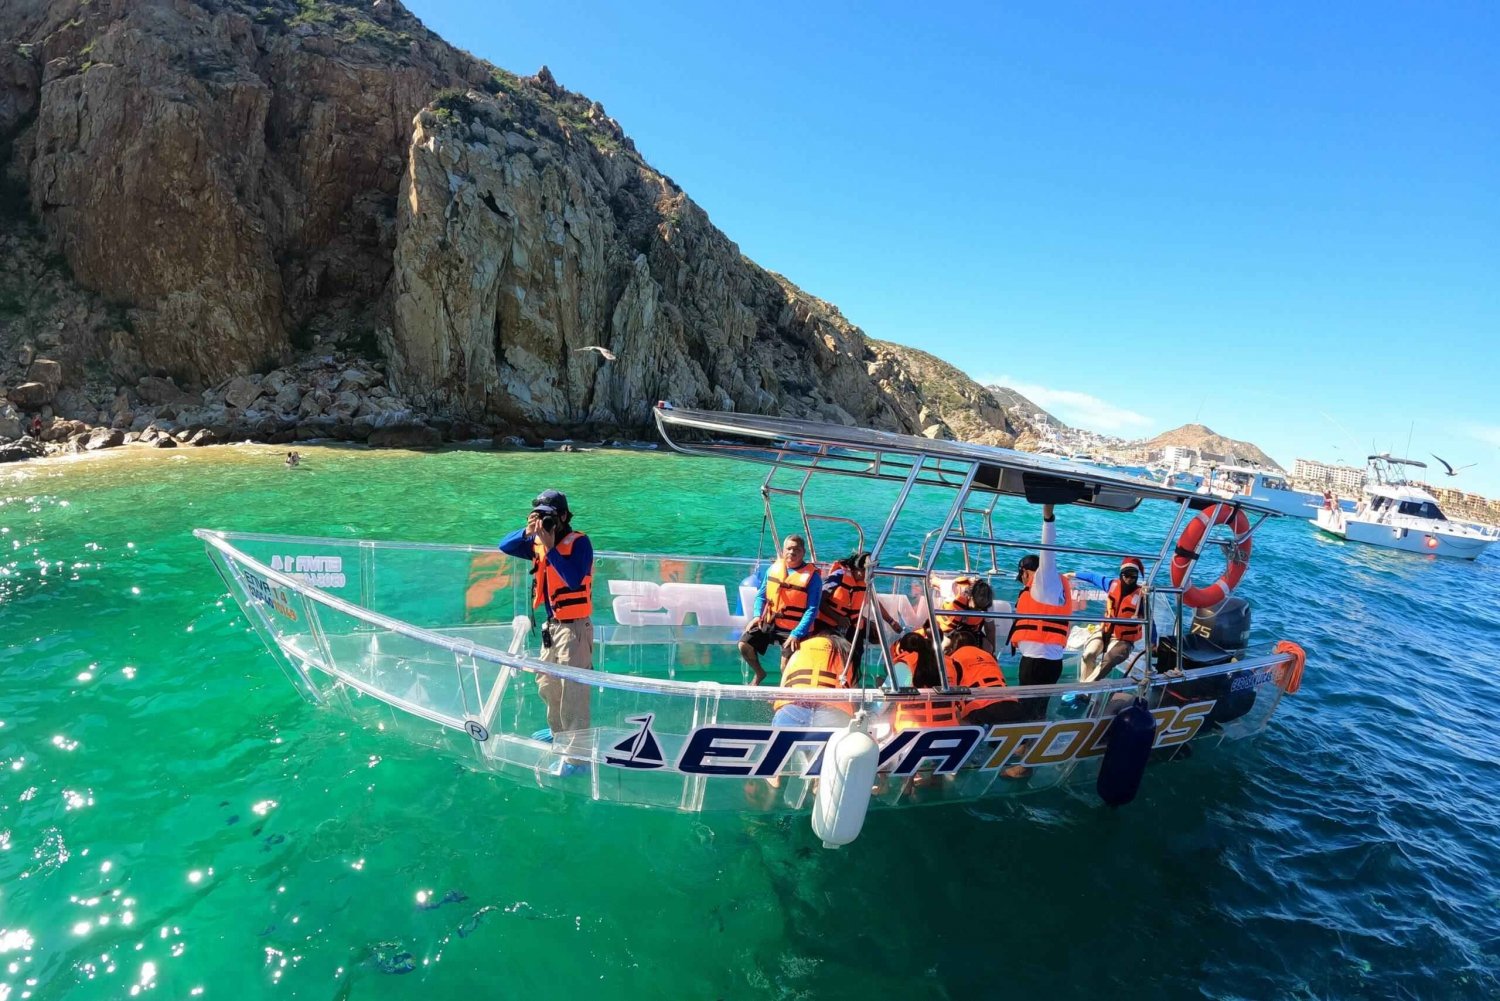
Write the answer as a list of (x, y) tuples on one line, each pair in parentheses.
[(978, 475), (885, 455)]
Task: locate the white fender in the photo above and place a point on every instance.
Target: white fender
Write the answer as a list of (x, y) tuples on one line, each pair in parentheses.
[(849, 762)]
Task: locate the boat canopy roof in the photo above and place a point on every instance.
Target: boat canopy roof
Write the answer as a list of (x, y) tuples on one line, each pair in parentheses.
[(886, 455), (1388, 457), (1249, 471)]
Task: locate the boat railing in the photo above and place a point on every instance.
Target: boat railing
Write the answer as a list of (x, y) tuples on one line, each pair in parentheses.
[(518, 659)]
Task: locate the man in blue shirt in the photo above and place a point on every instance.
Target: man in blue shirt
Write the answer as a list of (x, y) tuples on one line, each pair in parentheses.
[(562, 562), (786, 606)]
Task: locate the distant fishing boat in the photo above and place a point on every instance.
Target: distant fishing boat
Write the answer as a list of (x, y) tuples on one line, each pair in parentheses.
[(1270, 489), (438, 639), (1398, 514)]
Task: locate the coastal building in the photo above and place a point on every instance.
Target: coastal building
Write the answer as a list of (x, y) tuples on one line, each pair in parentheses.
[(1179, 458), (1346, 481)]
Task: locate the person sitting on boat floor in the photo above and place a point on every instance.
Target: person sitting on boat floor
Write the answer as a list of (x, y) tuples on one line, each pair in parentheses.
[(1125, 599), (845, 590), (786, 606), (562, 564), (916, 649), (820, 662), (1041, 642), (971, 666)]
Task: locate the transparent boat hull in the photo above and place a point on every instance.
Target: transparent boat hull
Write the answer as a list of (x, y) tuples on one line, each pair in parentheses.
[(437, 641)]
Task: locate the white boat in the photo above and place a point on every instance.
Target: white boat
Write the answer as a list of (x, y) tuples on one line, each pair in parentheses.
[(1269, 489), (437, 640), (1398, 514)]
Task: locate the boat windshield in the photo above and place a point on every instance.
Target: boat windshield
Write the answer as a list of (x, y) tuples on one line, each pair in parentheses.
[(1422, 509)]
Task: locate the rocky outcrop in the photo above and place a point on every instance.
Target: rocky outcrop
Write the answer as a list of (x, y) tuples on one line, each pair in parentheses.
[(233, 183), (939, 400), (523, 241)]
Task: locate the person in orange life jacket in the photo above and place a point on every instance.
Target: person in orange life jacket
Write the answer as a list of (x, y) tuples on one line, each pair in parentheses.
[(845, 592), (1126, 600), (916, 650), (1041, 642), (786, 606), (820, 661), (562, 562), (970, 593), (970, 665)]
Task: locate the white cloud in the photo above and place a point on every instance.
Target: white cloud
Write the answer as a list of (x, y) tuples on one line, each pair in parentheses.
[(1078, 409), (1487, 433)]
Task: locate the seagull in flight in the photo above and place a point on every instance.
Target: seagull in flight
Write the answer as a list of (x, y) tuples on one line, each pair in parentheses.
[(1447, 466), (604, 353)]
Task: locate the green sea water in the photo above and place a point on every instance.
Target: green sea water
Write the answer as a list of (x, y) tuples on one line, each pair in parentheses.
[(175, 822)]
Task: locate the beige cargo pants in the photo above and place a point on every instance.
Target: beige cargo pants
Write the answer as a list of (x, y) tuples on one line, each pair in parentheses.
[(567, 701)]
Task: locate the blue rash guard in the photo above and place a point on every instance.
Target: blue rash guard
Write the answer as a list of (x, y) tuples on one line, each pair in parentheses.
[(803, 629), (574, 567)]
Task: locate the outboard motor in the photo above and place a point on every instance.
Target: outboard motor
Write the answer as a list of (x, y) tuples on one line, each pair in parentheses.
[(1218, 635)]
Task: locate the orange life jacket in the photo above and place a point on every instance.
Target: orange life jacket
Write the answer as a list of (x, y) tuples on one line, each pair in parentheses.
[(1122, 606), (1050, 631), (786, 593), (973, 667), (816, 663), (951, 622), (842, 602), (912, 715), (568, 603)]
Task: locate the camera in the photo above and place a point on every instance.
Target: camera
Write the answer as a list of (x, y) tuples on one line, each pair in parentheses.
[(546, 517)]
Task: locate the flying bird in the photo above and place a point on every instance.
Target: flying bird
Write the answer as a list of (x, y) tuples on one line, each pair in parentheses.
[(1447, 466), (604, 353)]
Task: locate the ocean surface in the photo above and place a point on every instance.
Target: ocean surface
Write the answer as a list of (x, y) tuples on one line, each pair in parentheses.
[(176, 822)]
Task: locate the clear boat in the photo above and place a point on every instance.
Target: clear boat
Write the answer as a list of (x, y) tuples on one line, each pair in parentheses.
[(1397, 514), (437, 640)]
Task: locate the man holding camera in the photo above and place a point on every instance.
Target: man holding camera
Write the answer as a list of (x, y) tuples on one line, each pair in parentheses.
[(562, 564)]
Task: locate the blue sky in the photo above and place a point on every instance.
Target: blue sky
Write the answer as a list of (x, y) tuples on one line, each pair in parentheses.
[(1281, 220)]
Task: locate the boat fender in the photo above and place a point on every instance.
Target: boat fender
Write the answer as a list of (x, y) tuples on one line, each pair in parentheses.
[(1291, 678), (1130, 738), (844, 784)]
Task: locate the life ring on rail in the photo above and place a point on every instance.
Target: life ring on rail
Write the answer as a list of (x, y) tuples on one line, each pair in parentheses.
[(1192, 540), (1291, 678)]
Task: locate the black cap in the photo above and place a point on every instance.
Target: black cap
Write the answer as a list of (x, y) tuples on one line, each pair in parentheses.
[(1031, 561), (551, 502)]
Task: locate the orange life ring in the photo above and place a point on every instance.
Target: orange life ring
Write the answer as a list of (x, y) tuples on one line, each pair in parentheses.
[(1192, 540), (1291, 678)]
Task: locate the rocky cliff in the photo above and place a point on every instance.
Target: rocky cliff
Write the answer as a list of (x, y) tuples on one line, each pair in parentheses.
[(940, 400), (229, 185)]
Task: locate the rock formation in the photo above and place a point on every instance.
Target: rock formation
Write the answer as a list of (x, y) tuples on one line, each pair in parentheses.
[(939, 400), (220, 187)]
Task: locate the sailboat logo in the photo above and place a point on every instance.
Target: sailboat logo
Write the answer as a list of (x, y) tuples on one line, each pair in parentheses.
[(640, 749)]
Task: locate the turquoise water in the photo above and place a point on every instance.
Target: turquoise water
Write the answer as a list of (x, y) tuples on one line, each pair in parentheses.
[(176, 822)]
